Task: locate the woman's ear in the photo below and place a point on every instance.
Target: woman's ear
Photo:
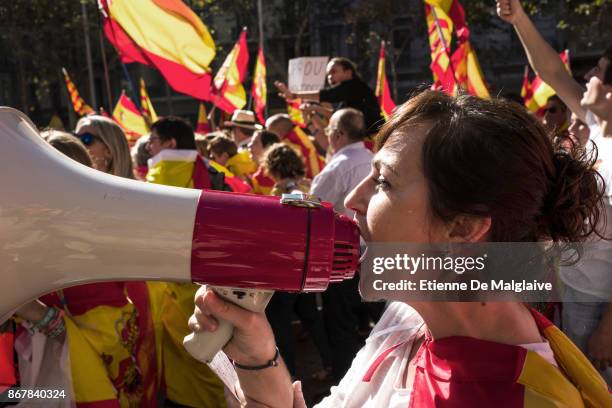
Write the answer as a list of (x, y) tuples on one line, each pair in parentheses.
[(469, 228)]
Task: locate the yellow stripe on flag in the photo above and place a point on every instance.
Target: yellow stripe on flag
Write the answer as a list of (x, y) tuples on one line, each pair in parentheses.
[(168, 29)]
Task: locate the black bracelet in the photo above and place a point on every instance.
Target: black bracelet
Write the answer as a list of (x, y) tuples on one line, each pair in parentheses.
[(270, 363)]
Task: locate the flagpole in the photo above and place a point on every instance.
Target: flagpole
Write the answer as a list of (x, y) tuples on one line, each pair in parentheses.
[(92, 88), (444, 44), (109, 94)]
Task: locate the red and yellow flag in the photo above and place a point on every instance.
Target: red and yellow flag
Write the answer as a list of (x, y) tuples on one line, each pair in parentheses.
[(145, 103), (227, 91), (468, 73), (382, 86), (203, 126), (165, 34), (259, 91), (540, 90), (295, 114), (461, 68), (79, 105), (127, 115), (302, 143)]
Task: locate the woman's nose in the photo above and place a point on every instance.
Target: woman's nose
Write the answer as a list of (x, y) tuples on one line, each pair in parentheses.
[(358, 199)]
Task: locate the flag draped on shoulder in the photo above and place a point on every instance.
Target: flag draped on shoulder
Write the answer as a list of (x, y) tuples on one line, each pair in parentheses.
[(227, 91), (260, 89), (165, 34), (456, 70), (203, 126), (145, 104), (127, 115), (383, 94), (79, 105)]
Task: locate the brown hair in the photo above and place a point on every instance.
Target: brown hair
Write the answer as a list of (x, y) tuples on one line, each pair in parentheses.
[(222, 144), (491, 158), (69, 145), (281, 161)]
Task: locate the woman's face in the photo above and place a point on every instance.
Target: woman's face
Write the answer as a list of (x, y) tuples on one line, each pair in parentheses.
[(99, 152), (391, 204)]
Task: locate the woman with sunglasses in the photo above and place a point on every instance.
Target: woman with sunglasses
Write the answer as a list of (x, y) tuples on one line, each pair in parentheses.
[(107, 145), (450, 171)]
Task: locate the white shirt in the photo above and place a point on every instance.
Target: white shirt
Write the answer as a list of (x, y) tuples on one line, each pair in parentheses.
[(592, 275), (347, 168), (400, 323)]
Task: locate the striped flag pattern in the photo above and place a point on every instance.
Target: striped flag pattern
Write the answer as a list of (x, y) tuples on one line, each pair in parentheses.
[(79, 105)]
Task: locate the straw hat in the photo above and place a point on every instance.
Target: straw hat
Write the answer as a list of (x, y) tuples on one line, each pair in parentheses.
[(243, 119)]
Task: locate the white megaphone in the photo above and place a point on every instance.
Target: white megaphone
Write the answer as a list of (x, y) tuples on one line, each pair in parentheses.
[(64, 224)]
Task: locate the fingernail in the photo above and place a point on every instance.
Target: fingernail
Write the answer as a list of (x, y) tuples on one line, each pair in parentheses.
[(298, 386)]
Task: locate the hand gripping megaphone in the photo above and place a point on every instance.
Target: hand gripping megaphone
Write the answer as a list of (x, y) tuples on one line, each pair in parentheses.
[(64, 224)]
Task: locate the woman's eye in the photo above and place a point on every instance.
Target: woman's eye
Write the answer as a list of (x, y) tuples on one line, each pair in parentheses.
[(381, 183)]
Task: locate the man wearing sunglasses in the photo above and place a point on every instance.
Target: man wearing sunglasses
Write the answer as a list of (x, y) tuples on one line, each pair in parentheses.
[(556, 116)]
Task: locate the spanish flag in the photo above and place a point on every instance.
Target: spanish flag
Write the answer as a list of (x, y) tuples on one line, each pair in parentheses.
[(145, 104), (165, 34), (127, 115), (541, 91), (79, 105), (293, 109), (527, 92), (259, 91), (382, 86), (228, 92), (202, 126), (299, 141)]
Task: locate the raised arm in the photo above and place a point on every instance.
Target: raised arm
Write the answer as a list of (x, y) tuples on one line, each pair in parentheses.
[(542, 57)]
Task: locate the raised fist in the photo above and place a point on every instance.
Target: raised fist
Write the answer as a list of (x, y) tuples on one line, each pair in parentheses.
[(509, 10)]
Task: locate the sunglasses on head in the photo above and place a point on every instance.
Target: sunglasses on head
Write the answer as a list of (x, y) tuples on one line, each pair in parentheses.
[(87, 138)]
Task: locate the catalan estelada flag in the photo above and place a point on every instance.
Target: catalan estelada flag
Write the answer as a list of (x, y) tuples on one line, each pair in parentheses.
[(79, 105), (165, 34), (382, 86), (127, 115), (227, 91), (259, 91), (203, 126), (540, 90), (295, 114), (145, 104)]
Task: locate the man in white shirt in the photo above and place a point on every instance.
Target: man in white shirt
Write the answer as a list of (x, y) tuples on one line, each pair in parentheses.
[(350, 163), (587, 313)]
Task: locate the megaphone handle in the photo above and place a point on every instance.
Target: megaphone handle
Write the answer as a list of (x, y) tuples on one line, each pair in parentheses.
[(204, 345)]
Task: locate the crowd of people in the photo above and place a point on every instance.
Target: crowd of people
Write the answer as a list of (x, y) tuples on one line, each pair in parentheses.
[(442, 169)]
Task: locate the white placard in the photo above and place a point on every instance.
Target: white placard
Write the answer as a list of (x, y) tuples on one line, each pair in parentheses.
[(307, 73)]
